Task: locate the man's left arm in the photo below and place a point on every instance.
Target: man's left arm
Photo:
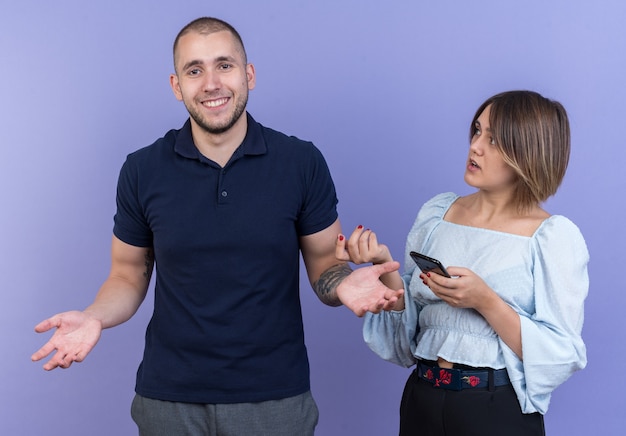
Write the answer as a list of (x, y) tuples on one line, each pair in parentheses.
[(326, 273)]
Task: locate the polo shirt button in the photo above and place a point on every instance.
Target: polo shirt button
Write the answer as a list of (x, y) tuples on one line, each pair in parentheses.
[(224, 194)]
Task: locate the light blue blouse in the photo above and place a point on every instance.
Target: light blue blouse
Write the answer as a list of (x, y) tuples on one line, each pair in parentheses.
[(543, 277)]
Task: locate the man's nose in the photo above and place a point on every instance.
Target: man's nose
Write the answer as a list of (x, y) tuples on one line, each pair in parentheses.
[(211, 81)]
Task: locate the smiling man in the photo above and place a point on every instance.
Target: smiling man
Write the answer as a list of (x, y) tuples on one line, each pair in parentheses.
[(223, 207)]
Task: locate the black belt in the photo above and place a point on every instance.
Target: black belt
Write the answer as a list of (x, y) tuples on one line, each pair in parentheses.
[(457, 379)]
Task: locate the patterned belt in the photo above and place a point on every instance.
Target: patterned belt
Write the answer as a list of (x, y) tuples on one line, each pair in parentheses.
[(457, 379)]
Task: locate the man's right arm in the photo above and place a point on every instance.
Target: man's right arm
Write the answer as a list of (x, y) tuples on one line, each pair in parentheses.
[(117, 301)]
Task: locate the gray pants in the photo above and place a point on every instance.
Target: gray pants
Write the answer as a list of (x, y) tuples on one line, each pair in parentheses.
[(294, 416)]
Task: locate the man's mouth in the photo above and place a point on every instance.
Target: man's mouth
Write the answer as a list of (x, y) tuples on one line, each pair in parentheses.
[(215, 103)]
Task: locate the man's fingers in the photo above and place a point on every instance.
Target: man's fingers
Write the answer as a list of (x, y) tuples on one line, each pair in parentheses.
[(394, 295), (80, 356), (66, 362), (54, 362), (43, 352), (378, 307), (359, 311), (61, 360), (46, 325), (387, 267), (50, 365)]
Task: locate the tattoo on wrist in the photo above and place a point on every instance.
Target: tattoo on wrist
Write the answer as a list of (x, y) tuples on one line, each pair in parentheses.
[(326, 286)]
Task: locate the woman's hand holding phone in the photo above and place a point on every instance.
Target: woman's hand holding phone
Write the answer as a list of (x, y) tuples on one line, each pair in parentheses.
[(427, 264)]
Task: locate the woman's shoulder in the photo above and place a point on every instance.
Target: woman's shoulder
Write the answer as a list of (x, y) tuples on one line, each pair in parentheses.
[(558, 225), (428, 218), (438, 205), (560, 234)]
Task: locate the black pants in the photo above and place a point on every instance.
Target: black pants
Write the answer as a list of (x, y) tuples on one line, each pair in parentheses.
[(429, 411)]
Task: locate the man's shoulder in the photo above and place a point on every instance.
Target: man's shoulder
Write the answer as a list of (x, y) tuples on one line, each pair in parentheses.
[(278, 138), (290, 147), (166, 142)]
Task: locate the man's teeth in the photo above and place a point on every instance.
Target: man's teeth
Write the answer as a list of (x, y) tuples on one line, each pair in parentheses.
[(215, 103)]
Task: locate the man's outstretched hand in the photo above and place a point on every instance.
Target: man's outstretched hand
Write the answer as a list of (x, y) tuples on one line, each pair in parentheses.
[(75, 336), (362, 291)]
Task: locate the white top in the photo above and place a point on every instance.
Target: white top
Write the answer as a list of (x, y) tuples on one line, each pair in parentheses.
[(542, 277)]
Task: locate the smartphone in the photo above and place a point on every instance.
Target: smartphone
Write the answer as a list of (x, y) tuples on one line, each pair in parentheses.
[(427, 264)]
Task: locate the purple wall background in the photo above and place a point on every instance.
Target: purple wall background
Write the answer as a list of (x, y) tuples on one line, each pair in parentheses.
[(385, 89)]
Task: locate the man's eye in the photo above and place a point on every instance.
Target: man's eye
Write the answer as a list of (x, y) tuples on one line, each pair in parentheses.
[(225, 66), (194, 72)]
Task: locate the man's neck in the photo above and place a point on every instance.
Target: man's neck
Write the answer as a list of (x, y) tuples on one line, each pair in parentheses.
[(219, 147)]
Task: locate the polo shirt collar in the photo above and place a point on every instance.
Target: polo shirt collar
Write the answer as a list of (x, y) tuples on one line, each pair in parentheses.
[(253, 143)]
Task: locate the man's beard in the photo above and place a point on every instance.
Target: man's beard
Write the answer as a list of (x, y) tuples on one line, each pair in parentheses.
[(240, 108)]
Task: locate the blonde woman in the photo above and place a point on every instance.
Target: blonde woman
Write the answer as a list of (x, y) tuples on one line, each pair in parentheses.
[(492, 342)]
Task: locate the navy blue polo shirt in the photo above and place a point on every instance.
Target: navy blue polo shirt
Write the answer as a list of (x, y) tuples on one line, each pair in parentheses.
[(227, 324)]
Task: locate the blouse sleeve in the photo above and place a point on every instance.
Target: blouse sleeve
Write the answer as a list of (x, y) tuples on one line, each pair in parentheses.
[(392, 334), (552, 344)]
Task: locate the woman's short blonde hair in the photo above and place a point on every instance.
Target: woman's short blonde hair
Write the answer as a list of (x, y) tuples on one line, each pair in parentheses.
[(533, 135)]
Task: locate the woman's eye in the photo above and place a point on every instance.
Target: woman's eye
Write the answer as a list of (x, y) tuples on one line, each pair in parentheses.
[(492, 141)]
